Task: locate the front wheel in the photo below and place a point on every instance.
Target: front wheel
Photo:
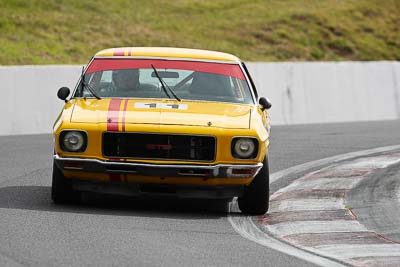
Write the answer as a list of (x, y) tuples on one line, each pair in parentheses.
[(255, 199), (61, 188)]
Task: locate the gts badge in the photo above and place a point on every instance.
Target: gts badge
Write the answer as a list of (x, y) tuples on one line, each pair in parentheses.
[(161, 106)]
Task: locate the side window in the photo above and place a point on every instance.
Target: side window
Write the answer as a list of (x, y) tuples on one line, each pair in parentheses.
[(251, 81), (242, 91), (238, 92), (79, 92)]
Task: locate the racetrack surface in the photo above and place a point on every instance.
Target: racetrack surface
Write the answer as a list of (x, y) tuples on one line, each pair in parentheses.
[(377, 202), (125, 231)]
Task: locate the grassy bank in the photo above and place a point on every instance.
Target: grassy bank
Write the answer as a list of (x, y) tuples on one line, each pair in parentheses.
[(69, 32)]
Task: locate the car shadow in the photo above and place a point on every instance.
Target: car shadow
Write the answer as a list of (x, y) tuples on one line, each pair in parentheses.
[(38, 198)]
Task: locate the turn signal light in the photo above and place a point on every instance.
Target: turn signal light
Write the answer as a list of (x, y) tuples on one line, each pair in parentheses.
[(73, 165), (242, 171)]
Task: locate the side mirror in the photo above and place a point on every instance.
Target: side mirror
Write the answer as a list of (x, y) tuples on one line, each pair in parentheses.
[(265, 103), (63, 93)]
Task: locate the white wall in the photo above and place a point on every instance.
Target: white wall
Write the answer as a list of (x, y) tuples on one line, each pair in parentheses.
[(29, 102), (300, 93), (328, 91)]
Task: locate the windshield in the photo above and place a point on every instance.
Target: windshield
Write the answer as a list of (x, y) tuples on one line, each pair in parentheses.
[(189, 80)]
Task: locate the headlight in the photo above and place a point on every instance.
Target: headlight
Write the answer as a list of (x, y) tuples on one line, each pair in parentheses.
[(244, 148), (73, 141)]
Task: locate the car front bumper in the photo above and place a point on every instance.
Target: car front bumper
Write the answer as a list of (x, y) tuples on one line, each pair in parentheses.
[(162, 170)]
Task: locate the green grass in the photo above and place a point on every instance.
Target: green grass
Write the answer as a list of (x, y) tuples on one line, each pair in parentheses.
[(71, 31)]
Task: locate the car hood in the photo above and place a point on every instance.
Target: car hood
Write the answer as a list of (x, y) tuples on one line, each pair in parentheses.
[(133, 111)]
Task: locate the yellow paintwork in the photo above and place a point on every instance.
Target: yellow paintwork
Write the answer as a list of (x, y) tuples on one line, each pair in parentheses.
[(249, 123), (228, 120), (169, 52), (197, 114)]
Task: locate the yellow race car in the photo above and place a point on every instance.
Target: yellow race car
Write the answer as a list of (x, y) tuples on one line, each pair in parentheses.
[(165, 121)]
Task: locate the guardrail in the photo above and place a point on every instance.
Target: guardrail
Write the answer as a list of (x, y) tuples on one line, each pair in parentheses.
[(301, 93)]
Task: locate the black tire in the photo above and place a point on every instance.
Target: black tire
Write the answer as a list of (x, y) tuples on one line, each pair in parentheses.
[(255, 199), (61, 188)]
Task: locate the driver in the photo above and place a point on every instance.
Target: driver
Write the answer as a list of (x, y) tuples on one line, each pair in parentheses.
[(125, 80)]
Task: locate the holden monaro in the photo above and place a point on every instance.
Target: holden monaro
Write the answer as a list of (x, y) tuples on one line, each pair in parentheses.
[(166, 121)]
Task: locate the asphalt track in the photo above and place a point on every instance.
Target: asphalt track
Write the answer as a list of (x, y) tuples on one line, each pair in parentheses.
[(124, 231), (377, 201)]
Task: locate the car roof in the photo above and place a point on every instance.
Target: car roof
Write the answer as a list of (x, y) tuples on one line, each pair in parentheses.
[(168, 52)]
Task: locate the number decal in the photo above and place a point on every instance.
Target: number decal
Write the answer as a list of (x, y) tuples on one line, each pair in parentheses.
[(161, 106)]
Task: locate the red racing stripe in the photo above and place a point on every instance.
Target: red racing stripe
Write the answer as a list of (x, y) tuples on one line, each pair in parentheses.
[(119, 53), (124, 115), (113, 115)]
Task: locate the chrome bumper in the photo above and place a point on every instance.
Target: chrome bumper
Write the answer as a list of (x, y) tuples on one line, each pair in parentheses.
[(206, 171)]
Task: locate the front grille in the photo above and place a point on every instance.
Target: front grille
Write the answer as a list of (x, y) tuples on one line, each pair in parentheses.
[(158, 146)]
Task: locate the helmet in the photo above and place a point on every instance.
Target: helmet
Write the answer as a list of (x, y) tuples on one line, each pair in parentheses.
[(126, 79)]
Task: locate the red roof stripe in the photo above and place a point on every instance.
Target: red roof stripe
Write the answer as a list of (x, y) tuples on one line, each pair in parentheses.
[(119, 52)]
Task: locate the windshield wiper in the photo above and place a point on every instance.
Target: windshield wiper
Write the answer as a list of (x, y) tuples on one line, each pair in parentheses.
[(89, 87), (164, 84)]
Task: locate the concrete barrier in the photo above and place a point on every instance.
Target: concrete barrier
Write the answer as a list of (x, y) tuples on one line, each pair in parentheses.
[(29, 102), (329, 92), (301, 93)]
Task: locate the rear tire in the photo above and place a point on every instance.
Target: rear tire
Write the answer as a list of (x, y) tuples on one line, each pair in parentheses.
[(61, 188), (255, 199)]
